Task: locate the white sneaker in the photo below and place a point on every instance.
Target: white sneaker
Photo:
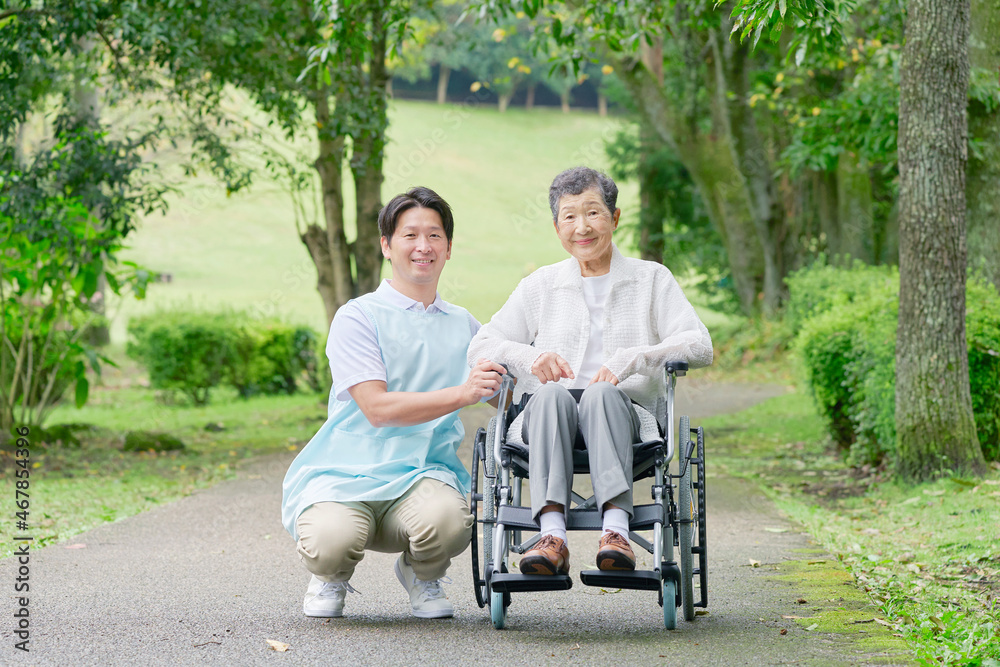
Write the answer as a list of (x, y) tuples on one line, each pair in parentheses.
[(427, 598), (325, 599)]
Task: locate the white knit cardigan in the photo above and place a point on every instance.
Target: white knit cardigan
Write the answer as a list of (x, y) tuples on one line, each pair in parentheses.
[(647, 322)]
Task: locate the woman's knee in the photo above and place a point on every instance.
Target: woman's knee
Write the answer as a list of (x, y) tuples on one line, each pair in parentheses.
[(551, 393), (600, 393)]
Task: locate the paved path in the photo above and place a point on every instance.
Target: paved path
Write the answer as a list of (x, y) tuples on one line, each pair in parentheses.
[(209, 578)]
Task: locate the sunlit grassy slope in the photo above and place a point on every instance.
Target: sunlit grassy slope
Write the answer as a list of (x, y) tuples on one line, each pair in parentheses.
[(243, 251)]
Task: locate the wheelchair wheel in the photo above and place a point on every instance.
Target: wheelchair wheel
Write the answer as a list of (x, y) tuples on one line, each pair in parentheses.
[(479, 585), (498, 605), (498, 610), (684, 524), (700, 516), (669, 602), (482, 497)]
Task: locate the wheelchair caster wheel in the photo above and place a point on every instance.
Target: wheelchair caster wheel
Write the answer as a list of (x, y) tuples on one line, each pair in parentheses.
[(498, 610), (669, 605)]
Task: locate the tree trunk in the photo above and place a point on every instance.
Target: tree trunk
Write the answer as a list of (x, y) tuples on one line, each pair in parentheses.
[(19, 138), (710, 159), (366, 165), (730, 60), (983, 186), (564, 101), (444, 75), (503, 100), (826, 210), (652, 213), (602, 105), (529, 99), (854, 209), (934, 422), (333, 262), (87, 100)]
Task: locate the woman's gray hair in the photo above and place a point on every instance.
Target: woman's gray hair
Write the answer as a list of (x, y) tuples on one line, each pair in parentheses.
[(574, 181)]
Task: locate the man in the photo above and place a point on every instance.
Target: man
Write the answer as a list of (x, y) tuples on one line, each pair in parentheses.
[(382, 473), (602, 324)]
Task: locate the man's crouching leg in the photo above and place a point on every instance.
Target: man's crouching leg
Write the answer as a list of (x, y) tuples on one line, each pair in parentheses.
[(431, 525), (332, 539)]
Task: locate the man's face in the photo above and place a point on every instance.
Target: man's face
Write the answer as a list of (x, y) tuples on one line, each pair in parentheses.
[(419, 247), (584, 225)]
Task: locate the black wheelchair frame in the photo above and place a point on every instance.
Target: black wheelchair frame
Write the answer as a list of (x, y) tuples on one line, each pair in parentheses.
[(499, 469)]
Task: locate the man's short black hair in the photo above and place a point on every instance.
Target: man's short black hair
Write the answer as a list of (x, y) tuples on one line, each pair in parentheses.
[(414, 197), (574, 181)]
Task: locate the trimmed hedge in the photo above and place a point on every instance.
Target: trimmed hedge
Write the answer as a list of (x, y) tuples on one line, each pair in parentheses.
[(194, 352), (847, 321)]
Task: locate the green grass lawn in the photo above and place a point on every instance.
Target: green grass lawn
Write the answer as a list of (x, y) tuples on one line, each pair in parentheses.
[(494, 169), (928, 555)]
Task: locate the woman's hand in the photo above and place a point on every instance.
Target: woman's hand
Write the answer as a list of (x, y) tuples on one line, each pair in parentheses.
[(604, 375), (550, 367), (483, 381)]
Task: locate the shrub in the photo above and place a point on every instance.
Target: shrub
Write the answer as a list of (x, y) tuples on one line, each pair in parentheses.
[(53, 257), (194, 352), (847, 342), (982, 322), (271, 357), (188, 352)]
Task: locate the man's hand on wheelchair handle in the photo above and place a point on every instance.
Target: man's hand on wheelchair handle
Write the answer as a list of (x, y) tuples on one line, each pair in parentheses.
[(604, 375), (484, 380), (550, 367)]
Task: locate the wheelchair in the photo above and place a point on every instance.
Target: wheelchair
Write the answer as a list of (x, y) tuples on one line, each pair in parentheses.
[(676, 516)]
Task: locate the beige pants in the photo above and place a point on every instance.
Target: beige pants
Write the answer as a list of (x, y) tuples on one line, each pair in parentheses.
[(430, 523)]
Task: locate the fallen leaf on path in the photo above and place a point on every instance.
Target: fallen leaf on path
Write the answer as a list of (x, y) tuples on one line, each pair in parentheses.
[(813, 626), (775, 530), (76, 546), (783, 631), (702, 612), (800, 601), (280, 647)]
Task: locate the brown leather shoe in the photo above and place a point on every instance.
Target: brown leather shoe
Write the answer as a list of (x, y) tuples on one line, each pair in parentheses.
[(614, 552), (549, 556)]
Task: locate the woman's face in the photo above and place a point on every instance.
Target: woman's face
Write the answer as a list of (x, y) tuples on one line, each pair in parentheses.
[(584, 225)]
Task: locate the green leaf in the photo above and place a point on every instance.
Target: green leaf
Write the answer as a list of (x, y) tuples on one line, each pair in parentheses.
[(82, 391)]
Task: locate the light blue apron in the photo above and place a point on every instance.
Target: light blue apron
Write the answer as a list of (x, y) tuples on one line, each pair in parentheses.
[(349, 459)]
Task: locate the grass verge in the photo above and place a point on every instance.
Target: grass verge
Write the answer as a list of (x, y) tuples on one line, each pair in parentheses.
[(928, 555), (74, 488)]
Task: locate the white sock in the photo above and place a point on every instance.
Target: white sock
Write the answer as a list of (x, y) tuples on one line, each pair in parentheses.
[(554, 524), (617, 520)]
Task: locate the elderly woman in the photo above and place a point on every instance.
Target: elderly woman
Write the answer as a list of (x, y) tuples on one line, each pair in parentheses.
[(603, 323)]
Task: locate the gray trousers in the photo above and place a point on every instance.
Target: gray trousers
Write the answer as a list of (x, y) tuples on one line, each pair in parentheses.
[(609, 426)]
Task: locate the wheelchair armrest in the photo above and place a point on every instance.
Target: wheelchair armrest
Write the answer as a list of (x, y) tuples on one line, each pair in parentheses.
[(677, 367)]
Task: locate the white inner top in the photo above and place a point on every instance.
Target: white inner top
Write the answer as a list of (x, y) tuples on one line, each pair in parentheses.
[(595, 293)]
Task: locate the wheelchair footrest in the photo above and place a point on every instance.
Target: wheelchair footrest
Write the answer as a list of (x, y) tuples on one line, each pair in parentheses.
[(514, 582), (642, 580)]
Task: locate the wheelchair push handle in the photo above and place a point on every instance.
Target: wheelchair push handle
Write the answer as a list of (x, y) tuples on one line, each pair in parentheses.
[(676, 367)]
